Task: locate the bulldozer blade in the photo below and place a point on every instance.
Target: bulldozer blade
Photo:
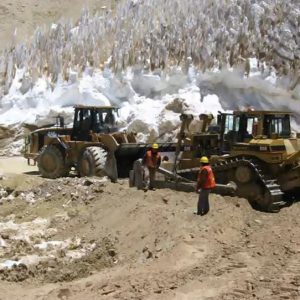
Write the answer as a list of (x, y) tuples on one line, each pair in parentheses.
[(220, 189), (171, 175)]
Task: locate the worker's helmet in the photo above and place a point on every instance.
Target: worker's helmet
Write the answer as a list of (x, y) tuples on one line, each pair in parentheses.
[(155, 146), (204, 160)]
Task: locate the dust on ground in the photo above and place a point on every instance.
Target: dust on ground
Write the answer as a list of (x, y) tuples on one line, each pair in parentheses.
[(82, 238)]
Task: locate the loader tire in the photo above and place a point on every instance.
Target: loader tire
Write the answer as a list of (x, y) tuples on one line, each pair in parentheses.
[(51, 162), (92, 162)]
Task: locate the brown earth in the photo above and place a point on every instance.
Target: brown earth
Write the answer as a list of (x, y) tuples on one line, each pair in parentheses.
[(146, 245), (25, 15)]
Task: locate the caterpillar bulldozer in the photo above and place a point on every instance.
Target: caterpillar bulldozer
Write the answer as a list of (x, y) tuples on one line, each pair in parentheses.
[(94, 145), (254, 149)]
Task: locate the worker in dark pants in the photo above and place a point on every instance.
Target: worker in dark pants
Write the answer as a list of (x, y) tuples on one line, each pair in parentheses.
[(151, 162), (205, 183)]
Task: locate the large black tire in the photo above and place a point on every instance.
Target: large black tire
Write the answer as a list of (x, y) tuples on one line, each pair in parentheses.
[(51, 162), (95, 161)]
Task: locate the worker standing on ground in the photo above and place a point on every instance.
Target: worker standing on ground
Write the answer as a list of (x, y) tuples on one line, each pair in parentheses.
[(205, 183), (151, 162)]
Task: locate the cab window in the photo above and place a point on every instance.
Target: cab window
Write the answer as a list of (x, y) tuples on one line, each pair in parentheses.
[(281, 126), (252, 126), (229, 123)]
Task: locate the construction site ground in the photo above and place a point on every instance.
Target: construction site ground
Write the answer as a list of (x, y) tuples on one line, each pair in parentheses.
[(80, 238)]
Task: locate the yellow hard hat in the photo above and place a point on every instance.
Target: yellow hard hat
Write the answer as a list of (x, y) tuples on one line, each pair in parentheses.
[(204, 160), (155, 146)]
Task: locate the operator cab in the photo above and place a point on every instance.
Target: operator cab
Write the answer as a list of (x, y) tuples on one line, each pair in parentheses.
[(241, 127), (94, 119)]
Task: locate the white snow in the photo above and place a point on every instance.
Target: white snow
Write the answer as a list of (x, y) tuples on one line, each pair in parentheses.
[(25, 231), (38, 230), (142, 110), (141, 64), (143, 98)]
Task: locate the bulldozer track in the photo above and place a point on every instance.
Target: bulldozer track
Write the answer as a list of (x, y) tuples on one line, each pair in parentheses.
[(271, 188), (271, 191)]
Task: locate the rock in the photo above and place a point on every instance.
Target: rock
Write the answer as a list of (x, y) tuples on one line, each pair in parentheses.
[(98, 189), (263, 279), (112, 252), (74, 196), (158, 248), (177, 106), (139, 126), (90, 198), (3, 193), (66, 182), (148, 254), (87, 182), (5, 236), (258, 222), (109, 291), (64, 293), (249, 286), (29, 198), (165, 200), (2, 243), (10, 198)]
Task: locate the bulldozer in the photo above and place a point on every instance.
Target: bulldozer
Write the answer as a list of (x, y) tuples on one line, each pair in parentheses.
[(256, 150), (94, 145)]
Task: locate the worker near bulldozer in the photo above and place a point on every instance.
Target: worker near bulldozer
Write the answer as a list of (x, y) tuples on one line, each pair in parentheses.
[(205, 183), (151, 163)]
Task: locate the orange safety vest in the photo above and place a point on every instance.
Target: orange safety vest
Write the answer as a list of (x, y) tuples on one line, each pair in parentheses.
[(152, 160), (210, 181)]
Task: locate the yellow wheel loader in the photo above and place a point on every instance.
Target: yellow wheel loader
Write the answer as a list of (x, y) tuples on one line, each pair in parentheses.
[(94, 146)]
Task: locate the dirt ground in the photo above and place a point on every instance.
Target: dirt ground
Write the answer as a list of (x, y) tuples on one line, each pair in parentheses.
[(15, 165), (25, 15), (79, 238)]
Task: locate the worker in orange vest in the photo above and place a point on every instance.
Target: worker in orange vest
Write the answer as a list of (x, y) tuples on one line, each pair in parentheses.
[(151, 162), (205, 183)]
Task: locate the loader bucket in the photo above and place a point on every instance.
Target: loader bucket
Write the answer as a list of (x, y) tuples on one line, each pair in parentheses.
[(127, 154)]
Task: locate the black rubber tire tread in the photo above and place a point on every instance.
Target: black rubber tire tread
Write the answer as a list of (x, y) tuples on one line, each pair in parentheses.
[(60, 170), (96, 158)]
